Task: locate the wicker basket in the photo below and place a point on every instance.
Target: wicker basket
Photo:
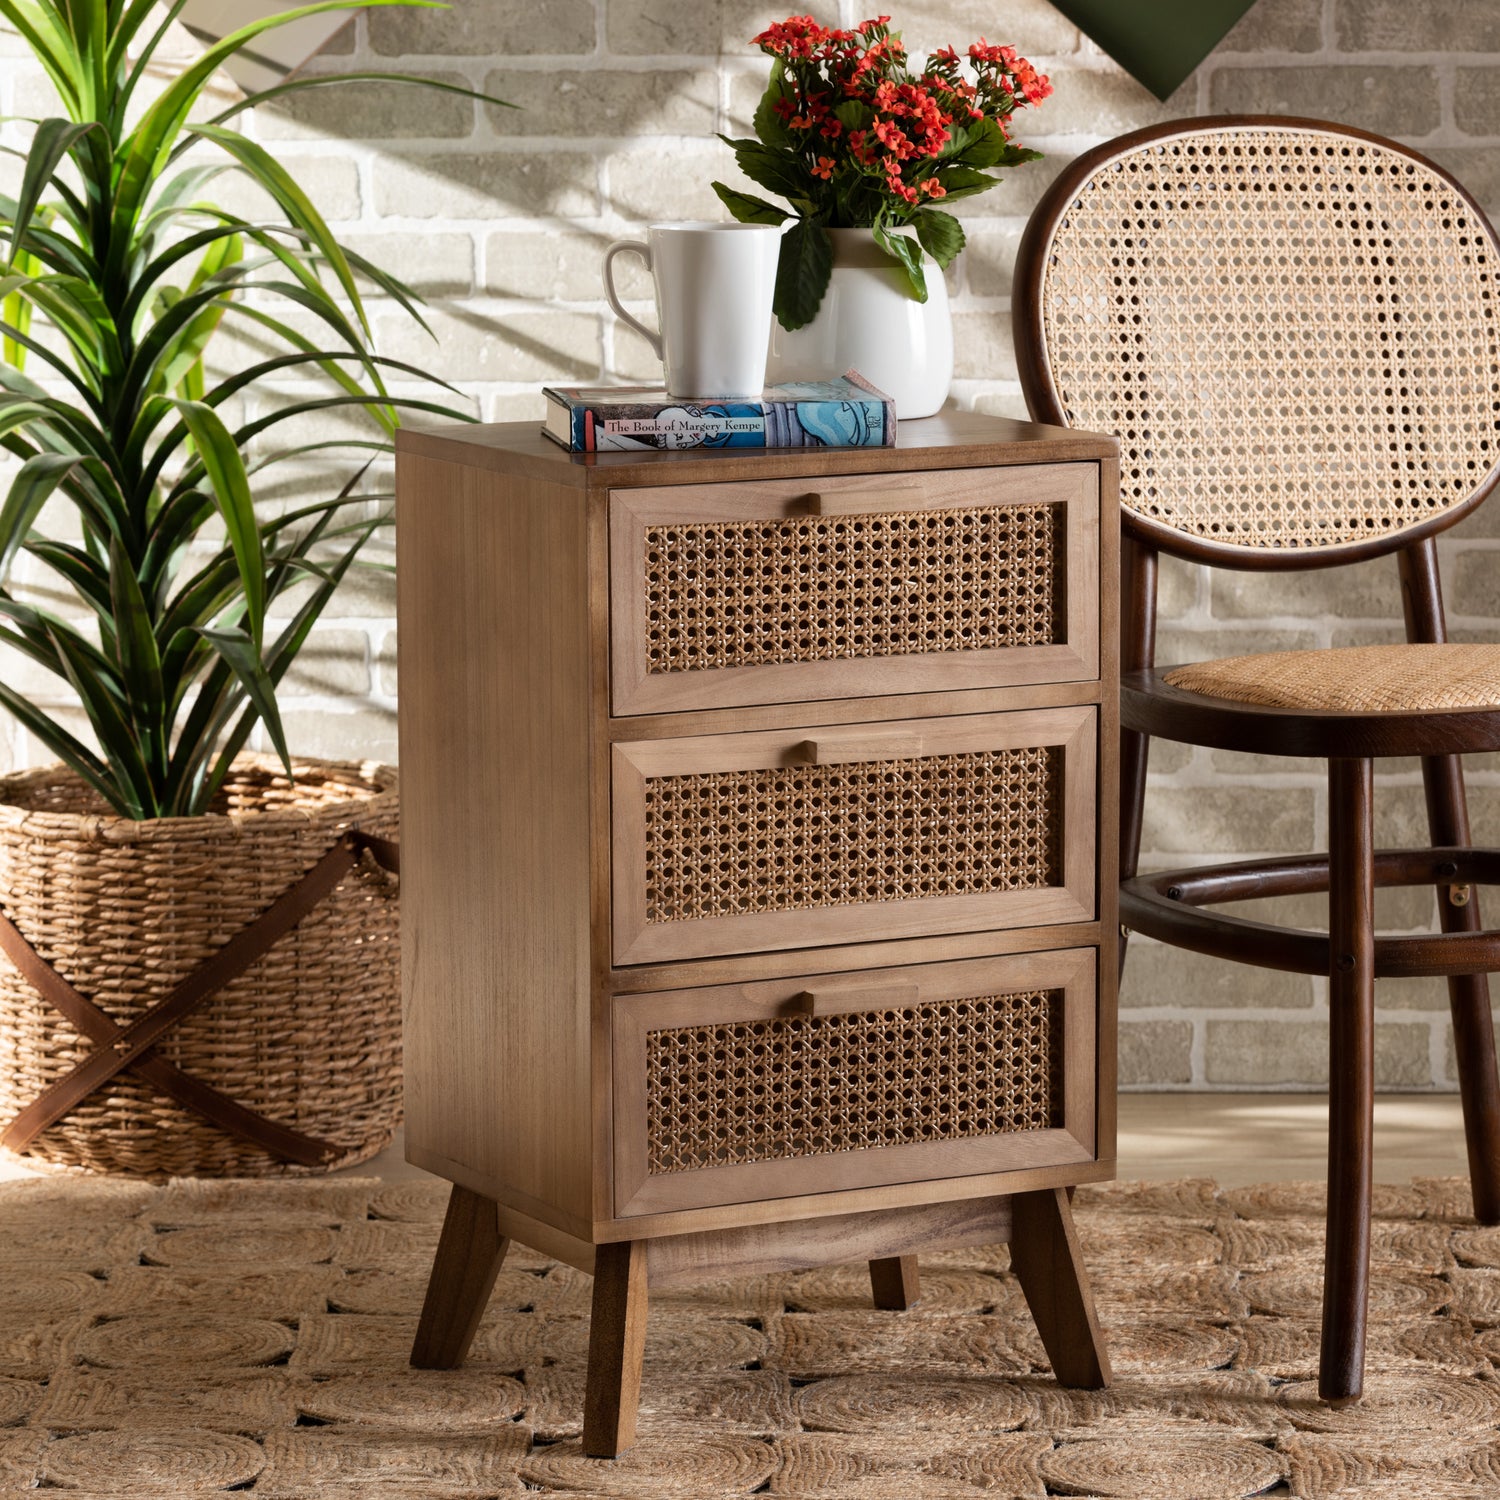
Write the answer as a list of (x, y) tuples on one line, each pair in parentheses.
[(309, 1035)]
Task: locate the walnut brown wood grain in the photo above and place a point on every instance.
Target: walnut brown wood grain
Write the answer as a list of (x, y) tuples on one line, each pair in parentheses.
[(640, 1191), (639, 939), (1468, 994), (617, 1344), (496, 847), (471, 1250), (895, 1283), (1072, 488), (525, 998), (1048, 1262), (1351, 1076), (1169, 905)]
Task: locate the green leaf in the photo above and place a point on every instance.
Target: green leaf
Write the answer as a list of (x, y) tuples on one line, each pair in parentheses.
[(140, 661), (132, 16), (15, 310), (183, 356), (38, 478), (71, 751), (285, 650), (81, 315), (49, 146), (769, 125), (987, 146), (1014, 156), (51, 46), (908, 255), (269, 174), (225, 467), (148, 145), (36, 628), (775, 168), (166, 16), (852, 114), (115, 735), (88, 577), (802, 273), (964, 182), (84, 381), (749, 209), (242, 656), (940, 235)]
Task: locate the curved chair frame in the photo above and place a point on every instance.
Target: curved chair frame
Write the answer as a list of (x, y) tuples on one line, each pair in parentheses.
[(1169, 906)]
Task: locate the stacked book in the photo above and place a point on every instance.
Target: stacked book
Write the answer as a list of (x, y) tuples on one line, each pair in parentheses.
[(844, 413)]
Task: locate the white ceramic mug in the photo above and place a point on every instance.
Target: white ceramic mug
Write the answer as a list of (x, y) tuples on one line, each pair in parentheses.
[(714, 284)]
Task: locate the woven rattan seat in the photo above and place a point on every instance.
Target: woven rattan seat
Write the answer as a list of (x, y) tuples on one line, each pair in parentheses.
[(1292, 328), (1353, 679)]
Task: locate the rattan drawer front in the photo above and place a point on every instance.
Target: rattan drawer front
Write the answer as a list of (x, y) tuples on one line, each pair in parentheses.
[(734, 1093), (777, 592), (735, 843)]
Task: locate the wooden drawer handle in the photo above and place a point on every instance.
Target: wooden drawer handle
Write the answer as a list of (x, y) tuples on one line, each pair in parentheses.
[(863, 502), (835, 1002), (901, 745)]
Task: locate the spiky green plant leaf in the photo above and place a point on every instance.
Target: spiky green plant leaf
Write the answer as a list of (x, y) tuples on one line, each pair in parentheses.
[(119, 278)]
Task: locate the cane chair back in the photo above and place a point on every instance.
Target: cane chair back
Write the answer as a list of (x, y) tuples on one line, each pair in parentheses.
[(1292, 328)]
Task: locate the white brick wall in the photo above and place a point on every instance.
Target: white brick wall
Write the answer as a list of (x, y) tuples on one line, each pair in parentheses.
[(500, 218)]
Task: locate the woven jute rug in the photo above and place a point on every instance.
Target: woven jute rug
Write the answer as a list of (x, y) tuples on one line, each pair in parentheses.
[(198, 1338)]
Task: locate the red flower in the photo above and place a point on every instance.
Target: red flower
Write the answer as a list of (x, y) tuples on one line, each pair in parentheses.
[(907, 117), (797, 36)]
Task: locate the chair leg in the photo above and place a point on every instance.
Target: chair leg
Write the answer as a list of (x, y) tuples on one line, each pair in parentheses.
[(1351, 1076), (1135, 750), (469, 1255), (1137, 650), (1468, 995), (896, 1283), (617, 1345)]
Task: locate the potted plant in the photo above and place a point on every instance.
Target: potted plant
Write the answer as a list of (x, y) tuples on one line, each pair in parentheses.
[(139, 500), (863, 148)]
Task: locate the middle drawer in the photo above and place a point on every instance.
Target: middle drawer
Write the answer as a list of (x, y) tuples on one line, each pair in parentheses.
[(736, 843)]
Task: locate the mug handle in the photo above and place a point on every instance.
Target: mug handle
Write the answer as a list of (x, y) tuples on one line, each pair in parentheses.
[(644, 251)]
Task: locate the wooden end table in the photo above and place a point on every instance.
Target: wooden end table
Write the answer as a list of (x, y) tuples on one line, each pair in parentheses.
[(759, 865)]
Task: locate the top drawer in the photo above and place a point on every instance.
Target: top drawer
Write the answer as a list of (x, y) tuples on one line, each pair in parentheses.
[(853, 586)]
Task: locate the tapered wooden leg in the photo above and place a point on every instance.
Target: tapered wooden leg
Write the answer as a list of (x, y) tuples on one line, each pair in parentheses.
[(896, 1283), (469, 1255), (1137, 650), (1448, 821), (1351, 1076), (1468, 994), (1045, 1256), (617, 1341)]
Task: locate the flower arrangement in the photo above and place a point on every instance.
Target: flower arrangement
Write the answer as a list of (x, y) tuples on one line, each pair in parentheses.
[(852, 139)]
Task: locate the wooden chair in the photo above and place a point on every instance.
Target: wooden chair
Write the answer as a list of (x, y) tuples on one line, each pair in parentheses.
[(1293, 329)]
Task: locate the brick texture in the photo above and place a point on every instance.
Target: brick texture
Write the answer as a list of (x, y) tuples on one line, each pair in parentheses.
[(500, 217)]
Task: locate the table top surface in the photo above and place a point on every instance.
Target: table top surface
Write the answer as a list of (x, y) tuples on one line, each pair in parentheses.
[(949, 440)]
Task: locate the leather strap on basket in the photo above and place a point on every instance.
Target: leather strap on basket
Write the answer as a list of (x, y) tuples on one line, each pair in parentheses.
[(130, 1047)]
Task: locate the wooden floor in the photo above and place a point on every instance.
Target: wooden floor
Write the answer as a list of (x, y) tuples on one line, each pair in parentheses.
[(1234, 1138), (1242, 1138)]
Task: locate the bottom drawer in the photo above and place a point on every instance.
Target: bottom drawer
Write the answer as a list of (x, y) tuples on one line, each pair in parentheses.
[(741, 1092)]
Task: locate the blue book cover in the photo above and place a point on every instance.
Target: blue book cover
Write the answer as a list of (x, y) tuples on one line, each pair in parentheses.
[(844, 413)]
